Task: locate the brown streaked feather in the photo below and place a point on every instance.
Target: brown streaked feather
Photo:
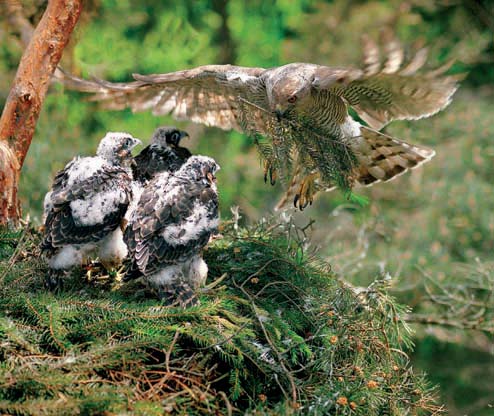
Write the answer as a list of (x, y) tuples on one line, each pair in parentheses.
[(392, 50), (154, 159), (61, 228), (382, 158), (148, 249), (416, 62), (371, 59), (395, 92), (206, 94)]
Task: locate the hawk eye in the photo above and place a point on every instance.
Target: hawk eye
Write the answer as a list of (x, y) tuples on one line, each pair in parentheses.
[(292, 99), (128, 141), (176, 137)]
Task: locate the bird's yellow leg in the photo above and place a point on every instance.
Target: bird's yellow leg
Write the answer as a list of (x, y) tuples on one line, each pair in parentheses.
[(116, 273), (306, 191), (92, 269), (115, 270), (118, 279)]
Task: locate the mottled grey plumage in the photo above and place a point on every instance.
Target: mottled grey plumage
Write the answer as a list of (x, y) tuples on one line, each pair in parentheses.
[(303, 108), (163, 154), (175, 217), (87, 203)]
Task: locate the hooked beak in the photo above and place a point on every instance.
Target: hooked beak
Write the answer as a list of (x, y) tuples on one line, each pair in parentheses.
[(181, 135), (280, 113), (135, 142), (127, 152)]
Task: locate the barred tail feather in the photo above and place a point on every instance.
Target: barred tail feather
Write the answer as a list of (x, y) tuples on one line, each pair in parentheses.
[(382, 157)]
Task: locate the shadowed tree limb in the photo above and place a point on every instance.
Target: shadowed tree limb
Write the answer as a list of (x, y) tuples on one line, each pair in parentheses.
[(26, 96)]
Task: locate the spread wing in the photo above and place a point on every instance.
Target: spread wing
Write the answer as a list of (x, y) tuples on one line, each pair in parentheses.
[(173, 222), (206, 94), (387, 89), (87, 210)]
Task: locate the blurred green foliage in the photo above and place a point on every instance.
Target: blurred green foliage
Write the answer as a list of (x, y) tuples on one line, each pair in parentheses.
[(431, 221)]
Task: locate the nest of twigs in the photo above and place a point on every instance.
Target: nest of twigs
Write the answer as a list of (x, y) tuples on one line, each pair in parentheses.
[(275, 333)]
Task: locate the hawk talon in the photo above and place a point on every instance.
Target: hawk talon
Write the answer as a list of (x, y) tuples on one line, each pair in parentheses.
[(269, 169), (92, 269), (272, 176), (295, 200), (306, 192)]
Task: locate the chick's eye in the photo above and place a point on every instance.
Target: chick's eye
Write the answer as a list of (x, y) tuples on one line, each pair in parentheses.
[(292, 99)]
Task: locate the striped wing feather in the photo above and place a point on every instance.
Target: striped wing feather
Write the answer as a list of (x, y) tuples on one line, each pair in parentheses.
[(388, 88), (206, 94)]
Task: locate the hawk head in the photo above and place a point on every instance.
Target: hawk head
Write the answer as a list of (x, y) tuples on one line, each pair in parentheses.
[(168, 135), (289, 90), (117, 147), (200, 168)]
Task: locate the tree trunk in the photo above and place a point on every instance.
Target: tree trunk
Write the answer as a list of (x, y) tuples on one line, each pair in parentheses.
[(23, 104)]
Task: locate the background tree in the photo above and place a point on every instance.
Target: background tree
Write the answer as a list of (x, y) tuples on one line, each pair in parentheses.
[(23, 105)]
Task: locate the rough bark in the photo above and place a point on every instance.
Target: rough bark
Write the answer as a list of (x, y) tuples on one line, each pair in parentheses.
[(9, 177), (28, 91)]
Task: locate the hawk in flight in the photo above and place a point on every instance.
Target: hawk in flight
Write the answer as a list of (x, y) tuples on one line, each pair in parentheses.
[(176, 215), (86, 205), (302, 109)]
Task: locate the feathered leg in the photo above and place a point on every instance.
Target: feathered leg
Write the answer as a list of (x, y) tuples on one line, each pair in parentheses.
[(112, 252)]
